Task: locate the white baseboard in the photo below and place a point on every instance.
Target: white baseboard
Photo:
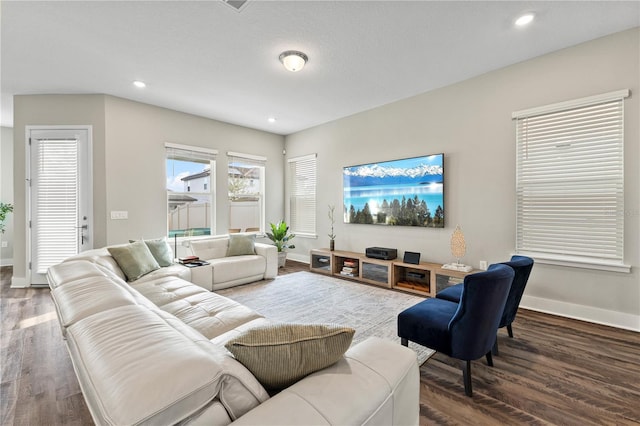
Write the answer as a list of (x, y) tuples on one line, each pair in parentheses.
[(6, 262), (19, 282), (298, 257), (582, 312)]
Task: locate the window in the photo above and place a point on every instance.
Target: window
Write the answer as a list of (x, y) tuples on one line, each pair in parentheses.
[(190, 200), (302, 195), (570, 192), (246, 177)]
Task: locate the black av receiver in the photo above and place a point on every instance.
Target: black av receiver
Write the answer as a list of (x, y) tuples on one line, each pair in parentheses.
[(381, 253)]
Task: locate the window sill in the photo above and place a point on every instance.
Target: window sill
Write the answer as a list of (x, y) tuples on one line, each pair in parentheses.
[(301, 235), (574, 262)]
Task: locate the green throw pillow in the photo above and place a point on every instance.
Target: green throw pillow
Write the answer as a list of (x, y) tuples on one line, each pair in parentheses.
[(281, 354), (241, 244), (134, 259), (161, 251)]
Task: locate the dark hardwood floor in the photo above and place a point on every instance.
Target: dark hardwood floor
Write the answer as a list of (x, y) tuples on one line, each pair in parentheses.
[(554, 371)]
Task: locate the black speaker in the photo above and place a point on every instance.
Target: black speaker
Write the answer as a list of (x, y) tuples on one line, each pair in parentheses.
[(411, 257)]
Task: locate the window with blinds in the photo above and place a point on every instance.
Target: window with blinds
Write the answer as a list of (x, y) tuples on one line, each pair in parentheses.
[(246, 184), (302, 195), (570, 182), (190, 190)]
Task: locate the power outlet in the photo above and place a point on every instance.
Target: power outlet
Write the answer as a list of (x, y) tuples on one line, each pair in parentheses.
[(5, 244), (483, 265)]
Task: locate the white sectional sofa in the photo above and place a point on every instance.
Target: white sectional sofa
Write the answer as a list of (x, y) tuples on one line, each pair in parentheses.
[(151, 352)]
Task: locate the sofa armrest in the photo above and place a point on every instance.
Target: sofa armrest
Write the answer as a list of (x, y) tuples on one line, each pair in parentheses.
[(379, 378), (270, 253)]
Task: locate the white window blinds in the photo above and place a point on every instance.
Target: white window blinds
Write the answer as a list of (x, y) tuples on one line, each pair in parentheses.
[(570, 192), (302, 195), (57, 201)]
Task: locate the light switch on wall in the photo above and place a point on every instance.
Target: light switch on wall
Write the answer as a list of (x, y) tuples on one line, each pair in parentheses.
[(118, 215)]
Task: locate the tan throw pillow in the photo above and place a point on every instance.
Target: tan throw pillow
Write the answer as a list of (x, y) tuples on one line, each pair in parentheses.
[(241, 244), (281, 354), (134, 259)]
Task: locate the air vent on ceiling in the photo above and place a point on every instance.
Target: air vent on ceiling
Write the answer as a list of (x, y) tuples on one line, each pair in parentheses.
[(237, 5)]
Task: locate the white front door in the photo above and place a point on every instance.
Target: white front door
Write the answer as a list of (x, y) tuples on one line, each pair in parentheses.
[(60, 196)]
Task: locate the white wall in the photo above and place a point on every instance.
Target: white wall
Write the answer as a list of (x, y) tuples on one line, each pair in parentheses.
[(129, 162), (471, 123), (6, 192)]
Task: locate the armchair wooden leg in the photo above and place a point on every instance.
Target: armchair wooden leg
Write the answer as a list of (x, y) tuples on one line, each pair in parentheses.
[(466, 376), (404, 342), (494, 350), (510, 331), (489, 359)]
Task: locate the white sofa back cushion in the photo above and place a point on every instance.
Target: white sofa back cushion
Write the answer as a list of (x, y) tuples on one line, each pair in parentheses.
[(211, 248), (182, 371)]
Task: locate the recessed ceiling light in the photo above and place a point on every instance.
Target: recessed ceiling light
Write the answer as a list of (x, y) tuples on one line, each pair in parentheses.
[(271, 119), (524, 19), (139, 84)]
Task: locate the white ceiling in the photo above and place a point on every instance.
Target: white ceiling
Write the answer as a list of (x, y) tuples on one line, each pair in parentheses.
[(206, 58)]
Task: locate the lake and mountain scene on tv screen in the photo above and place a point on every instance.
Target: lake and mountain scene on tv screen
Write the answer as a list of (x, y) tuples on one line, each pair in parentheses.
[(407, 192)]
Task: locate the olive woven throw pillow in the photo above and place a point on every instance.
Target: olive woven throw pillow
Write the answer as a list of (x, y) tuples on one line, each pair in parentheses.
[(279, 355)]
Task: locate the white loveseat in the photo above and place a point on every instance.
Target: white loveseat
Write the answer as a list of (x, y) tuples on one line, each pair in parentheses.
[(227, 271), (152, 352)]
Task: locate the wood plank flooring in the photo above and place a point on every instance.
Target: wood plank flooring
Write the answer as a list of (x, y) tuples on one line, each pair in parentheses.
[(554, 371)]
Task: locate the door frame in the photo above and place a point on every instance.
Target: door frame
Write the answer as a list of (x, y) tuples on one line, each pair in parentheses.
[(28, 129)]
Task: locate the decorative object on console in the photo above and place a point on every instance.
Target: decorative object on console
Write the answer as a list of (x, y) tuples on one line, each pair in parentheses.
[(332, 235), (280, 236), (458, 249), (350, 268), (411, 257), (407, 192)]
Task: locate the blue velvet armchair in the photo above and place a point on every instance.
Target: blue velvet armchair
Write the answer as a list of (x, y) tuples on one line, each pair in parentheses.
[(465, 330), (522, 266)]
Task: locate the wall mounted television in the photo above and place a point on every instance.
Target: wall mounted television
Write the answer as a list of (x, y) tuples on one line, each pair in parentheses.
[(406, 192)]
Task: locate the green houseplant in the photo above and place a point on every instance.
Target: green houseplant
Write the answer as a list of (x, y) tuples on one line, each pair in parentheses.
[(5, 208), (280, 236)]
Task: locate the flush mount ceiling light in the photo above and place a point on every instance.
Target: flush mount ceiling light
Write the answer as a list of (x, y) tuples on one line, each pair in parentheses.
[(139, 84), (525, 19), (293, 60)]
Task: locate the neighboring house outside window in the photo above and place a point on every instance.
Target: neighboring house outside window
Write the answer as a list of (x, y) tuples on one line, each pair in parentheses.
[(246, 191), (302, 195), (570, 182), (190, 200)]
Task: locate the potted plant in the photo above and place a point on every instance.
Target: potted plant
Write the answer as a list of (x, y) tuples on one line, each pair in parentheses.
[(280, 236), (4, 209)]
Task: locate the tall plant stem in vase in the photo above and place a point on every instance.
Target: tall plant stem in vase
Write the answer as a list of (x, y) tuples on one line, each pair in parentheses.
[(332, 235)]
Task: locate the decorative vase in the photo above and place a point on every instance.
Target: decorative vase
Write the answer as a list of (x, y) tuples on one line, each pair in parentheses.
[(332, 245)]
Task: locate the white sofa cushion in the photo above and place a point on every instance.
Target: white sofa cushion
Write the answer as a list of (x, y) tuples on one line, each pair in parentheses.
[(209, 313), (226, 269), (84, 297), (211, 248), (182, 372)]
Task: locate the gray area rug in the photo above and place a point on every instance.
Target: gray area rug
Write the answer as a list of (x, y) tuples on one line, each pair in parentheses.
[(306, 297)]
